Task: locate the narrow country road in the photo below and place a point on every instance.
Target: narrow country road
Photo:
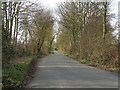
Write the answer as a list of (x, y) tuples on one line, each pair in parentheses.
[(59, 71)]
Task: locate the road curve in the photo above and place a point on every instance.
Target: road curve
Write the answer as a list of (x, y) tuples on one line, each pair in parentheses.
[(59, 71)]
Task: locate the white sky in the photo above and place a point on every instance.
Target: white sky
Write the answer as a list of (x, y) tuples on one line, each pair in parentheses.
[(52, 5)]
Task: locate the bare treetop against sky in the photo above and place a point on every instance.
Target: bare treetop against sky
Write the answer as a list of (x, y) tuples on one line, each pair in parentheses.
[(52, 5)]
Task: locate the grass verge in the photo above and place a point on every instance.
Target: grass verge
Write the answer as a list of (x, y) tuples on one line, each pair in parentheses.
[(14, 73), (99, 65)]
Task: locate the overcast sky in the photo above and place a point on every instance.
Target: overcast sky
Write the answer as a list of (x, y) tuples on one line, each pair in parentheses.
[(52, 5)]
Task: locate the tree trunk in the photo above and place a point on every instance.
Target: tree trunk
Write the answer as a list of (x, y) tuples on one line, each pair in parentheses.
[(104, 19)]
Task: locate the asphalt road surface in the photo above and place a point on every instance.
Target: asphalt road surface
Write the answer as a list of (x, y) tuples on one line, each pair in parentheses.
[(59, 71)]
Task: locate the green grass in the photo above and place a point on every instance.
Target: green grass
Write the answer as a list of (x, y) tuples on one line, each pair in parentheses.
[(13, 74)]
